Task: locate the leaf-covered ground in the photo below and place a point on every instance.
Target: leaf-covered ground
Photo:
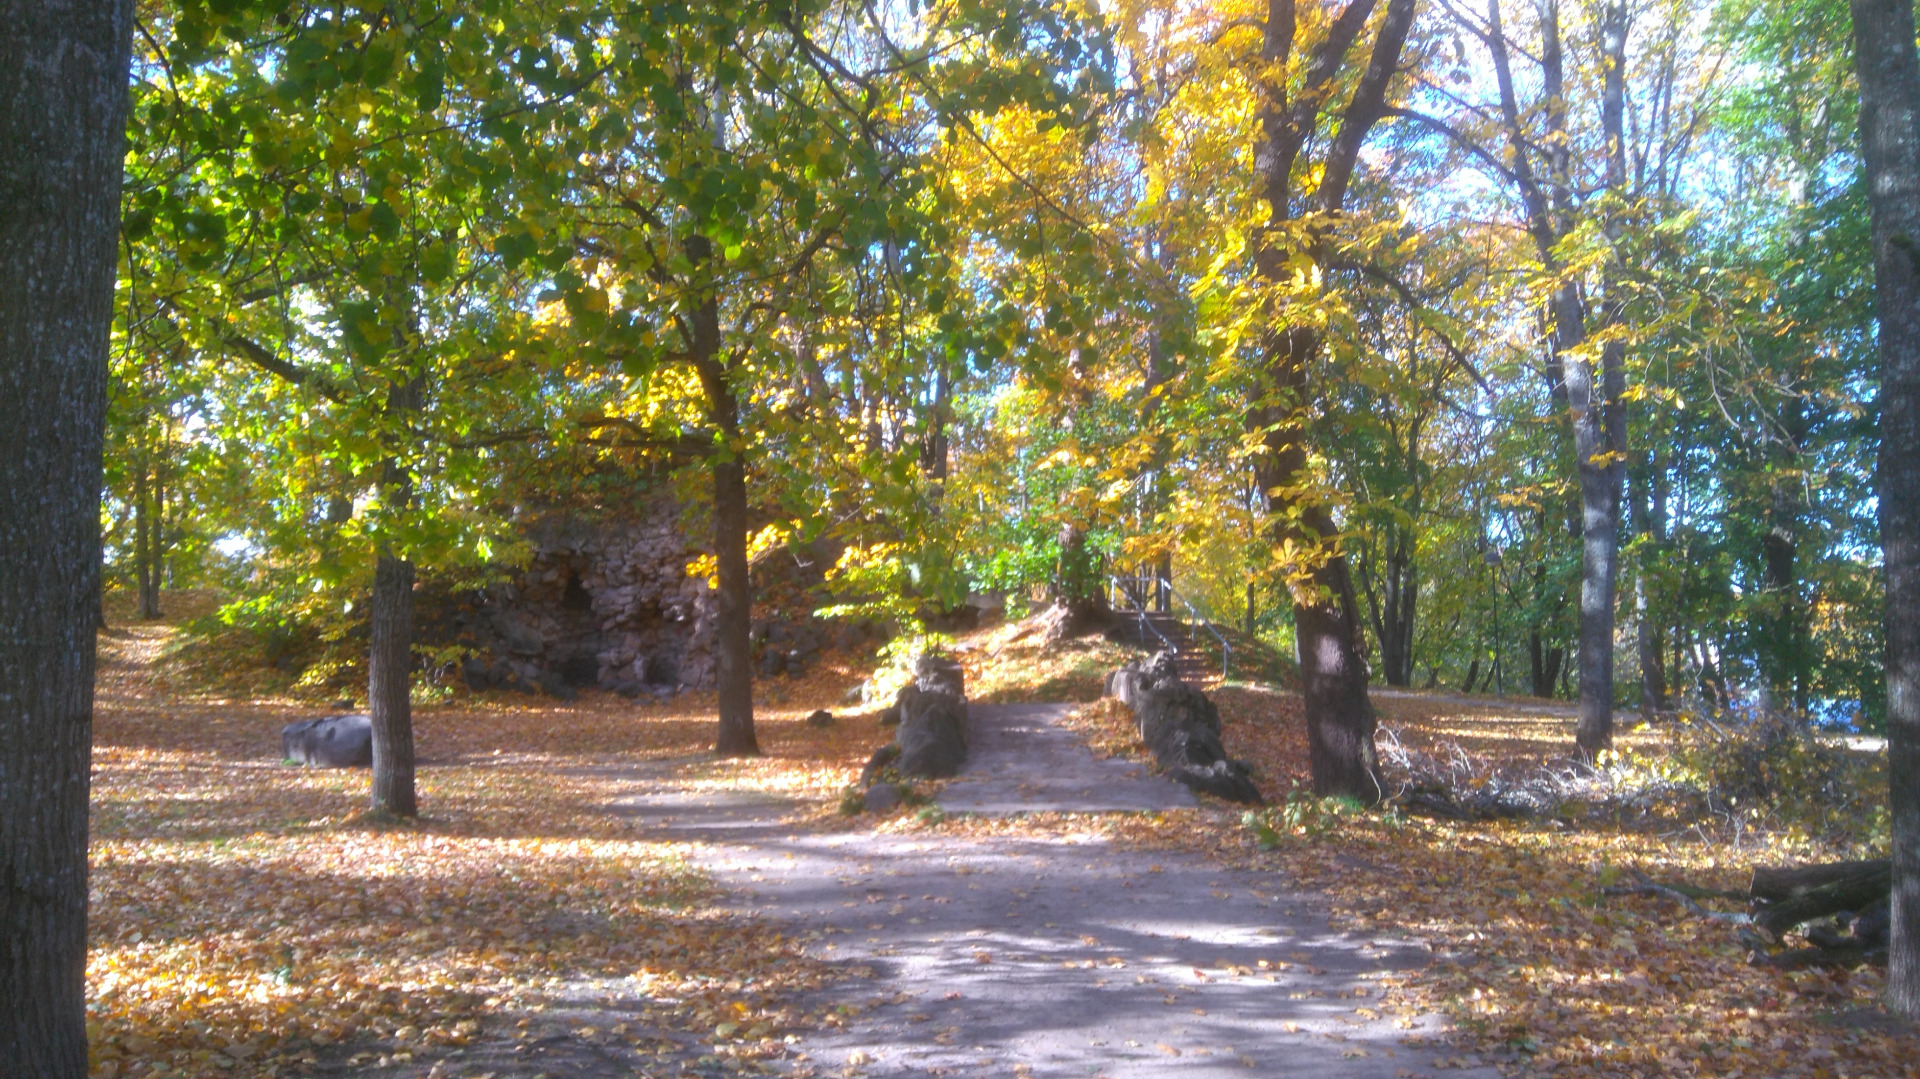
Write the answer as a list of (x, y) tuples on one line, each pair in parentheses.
[(247, 920), (1532, 961)]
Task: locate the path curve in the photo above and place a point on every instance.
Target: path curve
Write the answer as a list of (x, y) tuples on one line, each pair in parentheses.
[(1054, 956)]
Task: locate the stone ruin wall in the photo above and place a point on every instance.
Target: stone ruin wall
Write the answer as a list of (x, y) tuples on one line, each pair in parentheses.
[(609, 604), (606, 604)]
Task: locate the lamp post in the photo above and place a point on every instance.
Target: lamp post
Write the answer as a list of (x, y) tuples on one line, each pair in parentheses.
[(1499, 670)]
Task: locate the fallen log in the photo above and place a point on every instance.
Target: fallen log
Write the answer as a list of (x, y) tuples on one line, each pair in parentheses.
[(1801, 958), (1783, 898), (1682, 895), (1776, 883), (1789, 897)]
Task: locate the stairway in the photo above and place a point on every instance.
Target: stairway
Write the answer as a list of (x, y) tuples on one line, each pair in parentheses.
[(1194, 664)]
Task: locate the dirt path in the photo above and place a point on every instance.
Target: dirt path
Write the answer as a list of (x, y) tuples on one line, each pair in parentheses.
[(1052, 956)]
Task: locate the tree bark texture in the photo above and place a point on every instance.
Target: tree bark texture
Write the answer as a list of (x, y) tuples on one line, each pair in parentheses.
[(1889, 77), (1598, 439), (390, 650), (390, 686), (733, 626), (63, 94)]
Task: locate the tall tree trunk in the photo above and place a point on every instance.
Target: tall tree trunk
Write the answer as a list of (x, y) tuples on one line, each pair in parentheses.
[(389, 687), (63, 94), (146, 572), (390, 649), (1653, 675), (1333, 670), (1592, 396), (1889, 77), (1600, 424), (733, 626)]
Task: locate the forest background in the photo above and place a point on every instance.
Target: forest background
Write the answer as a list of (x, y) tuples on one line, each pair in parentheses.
[(980, 293)]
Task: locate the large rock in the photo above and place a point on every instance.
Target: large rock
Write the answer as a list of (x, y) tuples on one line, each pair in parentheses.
[(1193, 756), (877, 764), (940, 674), (1170, 709), (329, 742), (933, 732), (884, 798), (1182, 728)]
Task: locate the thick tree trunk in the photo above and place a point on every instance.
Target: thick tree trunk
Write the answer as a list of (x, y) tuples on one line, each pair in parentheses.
[(1597, 462), (1333, 670), (1889, 77), (63, 93), (1333, 687), (389, 687), (733, 644), (1593, 397), (1600, 424), (390, 650)]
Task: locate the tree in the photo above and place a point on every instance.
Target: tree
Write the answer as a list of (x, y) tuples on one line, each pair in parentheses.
[(62, 134), (338, 193), (1301, 217), (1889, 77)]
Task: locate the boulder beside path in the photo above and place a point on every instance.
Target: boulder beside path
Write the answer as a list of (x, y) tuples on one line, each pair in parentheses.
[(329, 742), (930, 719), (1182, 728)]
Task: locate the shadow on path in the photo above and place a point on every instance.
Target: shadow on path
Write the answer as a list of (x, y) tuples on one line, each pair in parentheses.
[(1057, 956)]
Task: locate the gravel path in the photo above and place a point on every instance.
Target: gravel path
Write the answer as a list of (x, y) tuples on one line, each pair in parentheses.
[(1054, 957)]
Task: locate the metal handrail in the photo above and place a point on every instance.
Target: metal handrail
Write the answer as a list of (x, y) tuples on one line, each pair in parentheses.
[(1226, 650), (1145, 625)]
